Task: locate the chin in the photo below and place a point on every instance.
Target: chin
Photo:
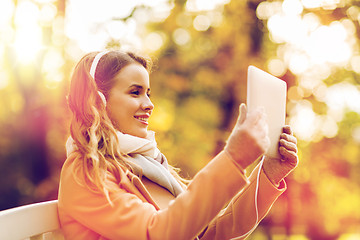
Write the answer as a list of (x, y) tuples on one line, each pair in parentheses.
[(140, 134)]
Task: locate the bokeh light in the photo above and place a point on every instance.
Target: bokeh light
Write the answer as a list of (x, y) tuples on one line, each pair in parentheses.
[(181, 36), (28, 34), (201, 50), (311, 50), (204, 5)]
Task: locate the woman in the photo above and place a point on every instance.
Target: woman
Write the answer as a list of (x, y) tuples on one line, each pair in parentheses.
[(116, 184)]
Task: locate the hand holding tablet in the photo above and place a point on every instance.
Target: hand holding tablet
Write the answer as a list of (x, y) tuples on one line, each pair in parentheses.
[(269, 92)]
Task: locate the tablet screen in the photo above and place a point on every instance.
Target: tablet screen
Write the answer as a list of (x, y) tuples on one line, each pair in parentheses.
[(268, 91)]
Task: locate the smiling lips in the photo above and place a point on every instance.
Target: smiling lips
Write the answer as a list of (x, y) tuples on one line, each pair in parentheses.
[(143, 119)]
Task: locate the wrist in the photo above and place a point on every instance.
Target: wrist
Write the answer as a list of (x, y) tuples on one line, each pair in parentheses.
[(245, 152), (271, 172), (239, 166)]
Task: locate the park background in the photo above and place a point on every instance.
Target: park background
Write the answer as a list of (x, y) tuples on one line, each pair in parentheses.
[(201, 50)]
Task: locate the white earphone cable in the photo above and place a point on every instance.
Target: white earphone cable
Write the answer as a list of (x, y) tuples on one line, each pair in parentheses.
[(256, 202)]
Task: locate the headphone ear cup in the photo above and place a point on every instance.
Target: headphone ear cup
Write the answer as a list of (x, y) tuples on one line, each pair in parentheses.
[(102, 96)]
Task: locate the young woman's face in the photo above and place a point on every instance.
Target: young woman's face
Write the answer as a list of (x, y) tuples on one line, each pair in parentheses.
[(129, 106)]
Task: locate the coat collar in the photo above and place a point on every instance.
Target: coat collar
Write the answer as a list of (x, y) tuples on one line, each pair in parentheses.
[(133, 184)]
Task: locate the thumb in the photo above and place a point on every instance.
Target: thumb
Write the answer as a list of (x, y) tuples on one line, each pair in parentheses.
[(242, 113)]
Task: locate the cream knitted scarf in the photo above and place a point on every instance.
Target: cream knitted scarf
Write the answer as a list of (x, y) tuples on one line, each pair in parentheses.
[(144, 153)]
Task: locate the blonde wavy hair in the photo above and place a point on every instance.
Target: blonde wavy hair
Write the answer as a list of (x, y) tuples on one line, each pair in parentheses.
[(91, 128)]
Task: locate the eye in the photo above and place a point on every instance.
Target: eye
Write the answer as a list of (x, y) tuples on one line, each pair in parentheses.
[(135, 92)]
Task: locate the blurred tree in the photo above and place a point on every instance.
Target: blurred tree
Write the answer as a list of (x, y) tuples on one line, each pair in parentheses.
[(33, 114), (201, 57)]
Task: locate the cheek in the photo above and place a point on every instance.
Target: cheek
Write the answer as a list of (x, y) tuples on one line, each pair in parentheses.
[(119, 119), (122, 111), (128, 108)]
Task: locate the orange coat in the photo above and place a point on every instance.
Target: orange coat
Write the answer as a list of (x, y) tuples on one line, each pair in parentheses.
[(144, 210)]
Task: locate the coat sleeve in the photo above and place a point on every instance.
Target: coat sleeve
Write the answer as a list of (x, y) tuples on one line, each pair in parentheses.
[(132, 218), (239, 217)]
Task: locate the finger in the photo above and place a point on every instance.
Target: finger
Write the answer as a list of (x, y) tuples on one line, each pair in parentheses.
[(264, 126), (288, 156), (287, 129), (290, 146), (260, 109), (289, 138), (257, 115), (266, 143), (242, 113), (257, 126)]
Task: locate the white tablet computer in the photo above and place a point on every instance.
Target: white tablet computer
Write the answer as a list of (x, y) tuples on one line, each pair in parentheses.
[(268, 91)]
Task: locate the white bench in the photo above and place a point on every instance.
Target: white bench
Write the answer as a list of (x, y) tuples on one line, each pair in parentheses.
[(34, 221)]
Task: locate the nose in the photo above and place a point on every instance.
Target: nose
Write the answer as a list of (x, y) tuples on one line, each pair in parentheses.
[(147, 105)]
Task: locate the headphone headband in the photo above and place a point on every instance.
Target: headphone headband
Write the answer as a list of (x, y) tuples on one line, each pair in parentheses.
[(95, 63)]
